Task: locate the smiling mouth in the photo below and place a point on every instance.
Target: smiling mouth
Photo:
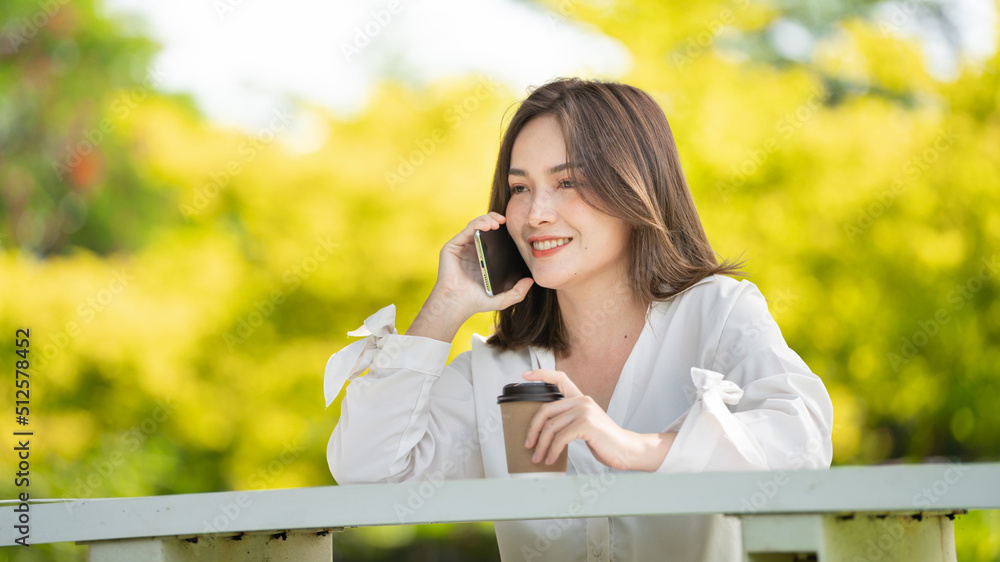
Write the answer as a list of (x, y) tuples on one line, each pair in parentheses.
[(549, 244)]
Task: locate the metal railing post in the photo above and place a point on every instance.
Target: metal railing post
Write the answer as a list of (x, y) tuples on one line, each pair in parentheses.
[(862, 537)]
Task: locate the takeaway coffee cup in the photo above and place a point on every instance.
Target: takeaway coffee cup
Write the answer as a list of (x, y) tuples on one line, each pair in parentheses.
[(518, 405)]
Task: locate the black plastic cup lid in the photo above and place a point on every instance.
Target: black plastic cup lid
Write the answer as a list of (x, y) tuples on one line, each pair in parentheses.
[(535, 391)]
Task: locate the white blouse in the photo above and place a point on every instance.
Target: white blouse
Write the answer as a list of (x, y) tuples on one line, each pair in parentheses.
[(710, 364)]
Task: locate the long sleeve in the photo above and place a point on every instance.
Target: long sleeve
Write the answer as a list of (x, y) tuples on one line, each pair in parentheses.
[(411, 417), (758, 406)]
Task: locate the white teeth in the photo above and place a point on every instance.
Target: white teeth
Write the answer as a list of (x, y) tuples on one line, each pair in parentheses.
[(549, 244)]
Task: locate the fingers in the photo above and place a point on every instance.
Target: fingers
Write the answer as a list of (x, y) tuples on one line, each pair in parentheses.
[(515, 295), (558, 378), (560, 442), (558, 424), (489, 221), (541, 417)]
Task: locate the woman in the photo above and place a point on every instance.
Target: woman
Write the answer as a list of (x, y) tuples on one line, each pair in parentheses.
[(627, 311)]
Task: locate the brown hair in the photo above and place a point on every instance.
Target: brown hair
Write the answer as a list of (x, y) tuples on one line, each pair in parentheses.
[(624, 163)]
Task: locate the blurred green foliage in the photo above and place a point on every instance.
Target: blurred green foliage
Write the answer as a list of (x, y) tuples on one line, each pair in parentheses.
[(185, 284)]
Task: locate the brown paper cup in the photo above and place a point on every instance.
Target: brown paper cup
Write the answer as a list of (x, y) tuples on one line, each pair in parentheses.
[(516, 416)]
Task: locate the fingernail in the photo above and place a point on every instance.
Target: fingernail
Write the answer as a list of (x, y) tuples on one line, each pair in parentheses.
[(527, 443)]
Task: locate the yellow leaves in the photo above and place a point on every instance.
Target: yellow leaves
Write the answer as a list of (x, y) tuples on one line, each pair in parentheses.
[(69, 433), (866, 364), (916, 388), (873, 55), (977, 535), (827, 335), (934, 249), (848, 422), (892, 61), (840, 55), (939, 250), (172, 142), (481, 324), (388, 537), (963, 423), (877, 445), (66, 303)]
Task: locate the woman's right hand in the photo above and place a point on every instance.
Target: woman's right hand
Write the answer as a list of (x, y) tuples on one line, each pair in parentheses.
[(458, 292)]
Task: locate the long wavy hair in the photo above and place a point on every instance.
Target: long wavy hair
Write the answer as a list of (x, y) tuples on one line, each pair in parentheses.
[(625, 164)]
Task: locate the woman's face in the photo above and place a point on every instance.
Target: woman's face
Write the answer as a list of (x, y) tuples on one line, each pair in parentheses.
[(565, 242)]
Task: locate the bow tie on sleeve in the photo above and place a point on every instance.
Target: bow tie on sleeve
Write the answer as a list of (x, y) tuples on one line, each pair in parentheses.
[(713, 390), (708, 424), (350, 362)]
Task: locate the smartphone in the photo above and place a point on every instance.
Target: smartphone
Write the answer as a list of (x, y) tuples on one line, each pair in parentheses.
[(500, 260)]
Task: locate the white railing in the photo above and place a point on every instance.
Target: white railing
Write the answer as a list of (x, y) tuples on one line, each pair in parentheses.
[(845, 513)]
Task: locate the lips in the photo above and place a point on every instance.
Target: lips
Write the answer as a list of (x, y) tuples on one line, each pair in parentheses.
[(543, 247), (549, 244)]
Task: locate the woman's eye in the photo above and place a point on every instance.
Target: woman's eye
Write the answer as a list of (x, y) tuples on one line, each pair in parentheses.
[(567, 184), (517, 188)]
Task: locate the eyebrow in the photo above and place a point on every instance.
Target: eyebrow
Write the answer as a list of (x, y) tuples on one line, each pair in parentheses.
[(552, 170)]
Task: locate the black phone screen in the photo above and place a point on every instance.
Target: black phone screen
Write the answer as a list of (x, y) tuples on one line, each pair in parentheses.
[(500, 260)]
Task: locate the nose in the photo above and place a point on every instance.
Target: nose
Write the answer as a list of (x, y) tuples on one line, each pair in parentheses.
[(541, 211)]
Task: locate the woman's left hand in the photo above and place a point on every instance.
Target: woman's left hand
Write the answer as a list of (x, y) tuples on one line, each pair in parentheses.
[(578, 416)]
